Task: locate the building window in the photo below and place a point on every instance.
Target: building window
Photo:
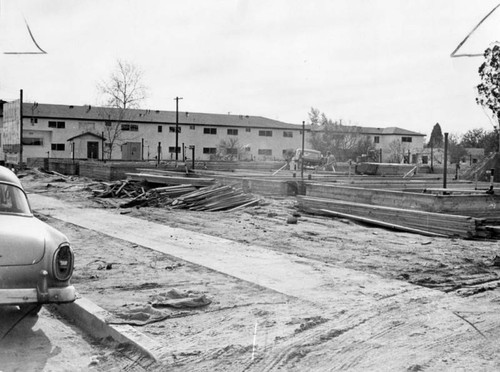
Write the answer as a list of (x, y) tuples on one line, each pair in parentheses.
[(406, 139), (209, 130), (34, 121), (376, 139), (233, 151), (267, 152), (160, 129), (58, 147), (32, 141), (130, 127), (107, 123), (191, 127), (171, 149), (232, 132), (172, 129), (209, 150), (288, 134), (265, 133), (248, 129), (57, 124)]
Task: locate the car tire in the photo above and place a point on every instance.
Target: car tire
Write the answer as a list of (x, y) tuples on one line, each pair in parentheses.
[(31, 309)]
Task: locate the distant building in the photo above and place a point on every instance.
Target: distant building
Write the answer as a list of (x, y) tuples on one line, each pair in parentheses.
[(387, 140), (435, 156), (392, 144), (474, 155)]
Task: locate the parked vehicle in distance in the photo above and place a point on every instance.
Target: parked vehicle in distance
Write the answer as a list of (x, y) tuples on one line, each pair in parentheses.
[(311, 158), (36, 260)]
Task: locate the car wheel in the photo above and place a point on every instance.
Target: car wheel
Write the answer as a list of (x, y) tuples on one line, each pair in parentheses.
[(30, 309)]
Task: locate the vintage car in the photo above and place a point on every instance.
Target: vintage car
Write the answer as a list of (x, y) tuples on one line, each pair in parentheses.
[(36, 260), (311, 158)]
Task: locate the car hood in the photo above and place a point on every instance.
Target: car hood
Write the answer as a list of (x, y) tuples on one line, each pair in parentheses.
[(22, 240)]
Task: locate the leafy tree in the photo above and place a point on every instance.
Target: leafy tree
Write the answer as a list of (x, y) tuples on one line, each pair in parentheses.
[(491, 143), (314, 116), (488, 92), (328, 135), (436, 139), (121, 91), (456, 151), (480, 139), (474, 138), (365, 146), (288, 154)]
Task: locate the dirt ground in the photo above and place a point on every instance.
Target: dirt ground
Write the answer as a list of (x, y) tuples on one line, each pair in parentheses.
[(216, 326)]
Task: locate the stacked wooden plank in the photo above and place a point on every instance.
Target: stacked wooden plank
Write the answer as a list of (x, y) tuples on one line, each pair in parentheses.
[(140, 194), (170, 179), (215, 198), (186, 196), (158, 196), (438, 224)]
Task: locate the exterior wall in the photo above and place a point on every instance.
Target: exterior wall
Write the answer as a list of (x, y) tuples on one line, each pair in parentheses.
[(148, 132), (416, 146)]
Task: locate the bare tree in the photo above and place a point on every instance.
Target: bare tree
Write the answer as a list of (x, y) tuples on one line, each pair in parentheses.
[(396, 151), (229, 149), (124, 87), (121, 91)]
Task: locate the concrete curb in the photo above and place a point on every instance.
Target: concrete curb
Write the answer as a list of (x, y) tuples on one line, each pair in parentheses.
[(94, 320)]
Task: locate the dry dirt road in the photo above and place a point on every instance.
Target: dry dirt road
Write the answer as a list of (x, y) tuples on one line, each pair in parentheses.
[(338, 296)]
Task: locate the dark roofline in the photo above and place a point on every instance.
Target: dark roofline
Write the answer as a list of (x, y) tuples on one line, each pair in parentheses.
[(144, 116), (87, 134)]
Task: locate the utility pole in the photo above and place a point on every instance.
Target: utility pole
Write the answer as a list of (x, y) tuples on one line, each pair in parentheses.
[(21, 129), (445, 168), (177, 128), (302, 153)]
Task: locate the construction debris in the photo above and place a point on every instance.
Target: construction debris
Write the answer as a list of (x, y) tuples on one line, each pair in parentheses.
[(215, 198), (166, 179), (186, 196)]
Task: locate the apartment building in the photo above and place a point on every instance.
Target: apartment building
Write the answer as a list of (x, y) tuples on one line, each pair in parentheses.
[(88, 132)]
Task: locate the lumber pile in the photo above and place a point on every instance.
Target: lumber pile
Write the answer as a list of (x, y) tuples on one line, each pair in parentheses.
[(140, 194), (215, 198), (158, 196), (166, 179), (185, 196), (426, 223)]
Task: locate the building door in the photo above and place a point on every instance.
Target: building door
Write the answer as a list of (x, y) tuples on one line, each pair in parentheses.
[(92, 150), (131, 151)]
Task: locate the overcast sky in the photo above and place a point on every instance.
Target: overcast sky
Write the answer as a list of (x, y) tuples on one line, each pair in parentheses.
[(372, 63)]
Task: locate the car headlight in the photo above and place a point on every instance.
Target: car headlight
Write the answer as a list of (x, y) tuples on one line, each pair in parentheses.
[(63, 262)]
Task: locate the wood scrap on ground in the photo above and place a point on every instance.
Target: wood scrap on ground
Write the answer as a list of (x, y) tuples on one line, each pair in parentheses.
[(185, 196)]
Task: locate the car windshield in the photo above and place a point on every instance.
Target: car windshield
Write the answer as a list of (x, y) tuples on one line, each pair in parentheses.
[(13, 200)]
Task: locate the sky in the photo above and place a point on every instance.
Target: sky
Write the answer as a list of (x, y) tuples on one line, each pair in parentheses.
[(374, 63)]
